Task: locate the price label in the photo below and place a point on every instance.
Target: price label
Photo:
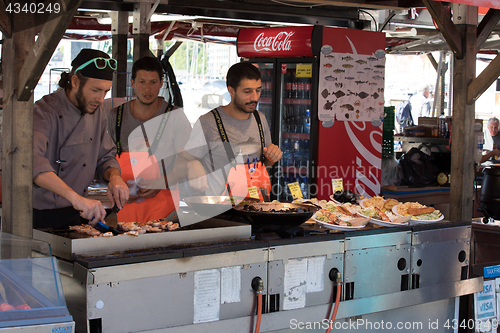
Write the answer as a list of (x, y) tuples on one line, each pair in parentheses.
[(295, 189), (253, 192), (304, 70), (337, 185)]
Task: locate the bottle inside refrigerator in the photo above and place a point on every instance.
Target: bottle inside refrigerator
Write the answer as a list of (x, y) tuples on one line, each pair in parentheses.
[(265, 104), (295, 127)]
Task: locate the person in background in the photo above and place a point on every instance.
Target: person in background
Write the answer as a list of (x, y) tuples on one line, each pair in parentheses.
[(148, 132), (420, 105), (230, 147), (71, 146), (491, 140)]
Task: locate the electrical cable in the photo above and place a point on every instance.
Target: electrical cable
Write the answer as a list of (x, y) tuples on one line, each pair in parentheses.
[(259, 311), (387, 21), (337, 301), (258, 286), (373, 18)]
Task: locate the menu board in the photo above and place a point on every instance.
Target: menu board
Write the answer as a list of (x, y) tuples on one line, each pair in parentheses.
[(351, 86)]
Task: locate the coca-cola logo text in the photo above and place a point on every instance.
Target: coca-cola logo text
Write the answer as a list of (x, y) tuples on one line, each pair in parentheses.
[(280, 42)]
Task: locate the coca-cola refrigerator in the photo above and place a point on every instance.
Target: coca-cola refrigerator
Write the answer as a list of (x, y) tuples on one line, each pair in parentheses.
[(315, 102)]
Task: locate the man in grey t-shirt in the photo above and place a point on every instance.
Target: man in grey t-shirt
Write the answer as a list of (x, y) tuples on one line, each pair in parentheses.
[(149, 132), (230, 147)]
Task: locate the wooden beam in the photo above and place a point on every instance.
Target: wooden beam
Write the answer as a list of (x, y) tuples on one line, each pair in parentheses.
[(433, 61), (445, 26), (47, 41), (5, 22), (17, 152), (141, 29), (173, 48), (486, 26), (463, 135), (479, 85)]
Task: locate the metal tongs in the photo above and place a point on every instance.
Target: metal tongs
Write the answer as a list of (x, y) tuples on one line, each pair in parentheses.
[(106, 228)]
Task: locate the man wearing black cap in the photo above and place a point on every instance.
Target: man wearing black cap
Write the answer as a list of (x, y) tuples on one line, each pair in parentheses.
[(71, 146)]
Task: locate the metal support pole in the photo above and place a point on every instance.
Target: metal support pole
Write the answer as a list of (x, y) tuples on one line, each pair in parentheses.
[(119, 29), (141, 30)]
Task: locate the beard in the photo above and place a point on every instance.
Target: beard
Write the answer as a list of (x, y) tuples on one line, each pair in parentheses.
[(146, 103), (241, 106), (82, 101)]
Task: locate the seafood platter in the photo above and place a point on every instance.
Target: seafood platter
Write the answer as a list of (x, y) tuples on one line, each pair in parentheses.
[(377, 210)]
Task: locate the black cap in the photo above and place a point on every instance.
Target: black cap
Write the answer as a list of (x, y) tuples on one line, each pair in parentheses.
[(91, 70)]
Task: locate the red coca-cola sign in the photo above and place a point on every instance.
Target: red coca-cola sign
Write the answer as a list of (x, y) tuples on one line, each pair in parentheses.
[(279, 42), (351, 151)]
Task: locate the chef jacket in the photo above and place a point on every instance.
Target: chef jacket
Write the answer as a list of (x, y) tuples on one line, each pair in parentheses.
[(76, 147)]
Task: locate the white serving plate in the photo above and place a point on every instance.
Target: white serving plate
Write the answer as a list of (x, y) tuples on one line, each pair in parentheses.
[(395, 211), (338, 227)]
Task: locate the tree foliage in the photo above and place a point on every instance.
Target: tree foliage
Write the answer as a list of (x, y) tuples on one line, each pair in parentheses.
[(183, 59)]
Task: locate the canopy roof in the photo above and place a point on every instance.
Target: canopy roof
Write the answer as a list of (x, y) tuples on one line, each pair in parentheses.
[(408, 25)]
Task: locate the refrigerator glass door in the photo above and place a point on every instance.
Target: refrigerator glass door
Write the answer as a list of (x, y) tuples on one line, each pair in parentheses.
[(295, 126), (266, 93)]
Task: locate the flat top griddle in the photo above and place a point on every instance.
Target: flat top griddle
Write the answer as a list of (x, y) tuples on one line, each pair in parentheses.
[(69, 244)]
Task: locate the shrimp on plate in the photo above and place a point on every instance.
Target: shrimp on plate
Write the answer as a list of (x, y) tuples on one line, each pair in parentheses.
[(382, 215)]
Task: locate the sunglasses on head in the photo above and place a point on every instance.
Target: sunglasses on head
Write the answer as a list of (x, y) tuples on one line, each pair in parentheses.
[(100, 63)]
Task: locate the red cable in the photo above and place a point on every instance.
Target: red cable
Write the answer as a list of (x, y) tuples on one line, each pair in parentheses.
[(259, 311), (335, 309)]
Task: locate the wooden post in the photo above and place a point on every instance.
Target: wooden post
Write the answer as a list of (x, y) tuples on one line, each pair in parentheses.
[(119, 29), (141, 30), (17, 152), (462, 150), (23, 63)]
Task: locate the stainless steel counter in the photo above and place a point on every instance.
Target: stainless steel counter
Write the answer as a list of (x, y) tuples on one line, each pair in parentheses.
[(414, 274)]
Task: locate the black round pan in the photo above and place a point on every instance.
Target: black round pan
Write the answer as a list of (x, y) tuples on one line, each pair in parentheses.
[(212, 206), (275, 216)]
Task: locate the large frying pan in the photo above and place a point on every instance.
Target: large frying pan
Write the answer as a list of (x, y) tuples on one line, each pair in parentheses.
[(211, 206), (276, 216)]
